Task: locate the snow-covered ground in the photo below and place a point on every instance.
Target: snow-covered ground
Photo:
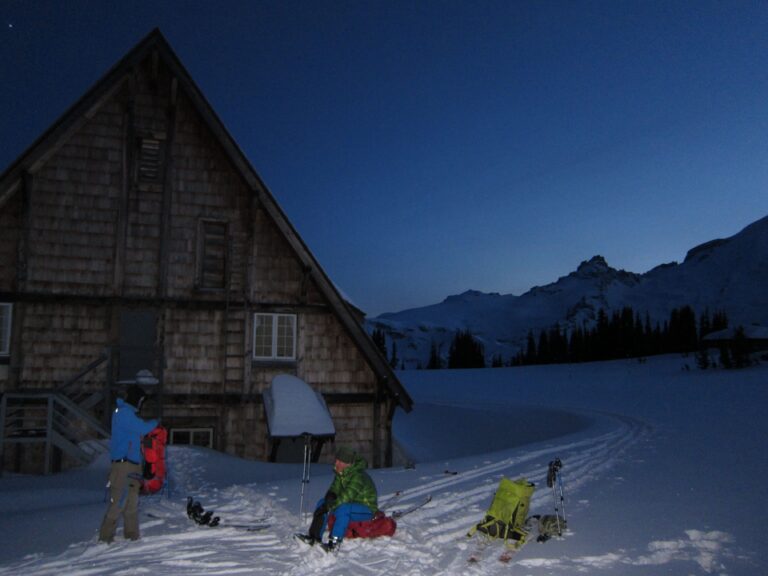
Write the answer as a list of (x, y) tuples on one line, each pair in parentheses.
[(664, 469)]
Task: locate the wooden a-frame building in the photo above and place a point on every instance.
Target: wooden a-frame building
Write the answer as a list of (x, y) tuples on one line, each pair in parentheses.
[(135, 237)]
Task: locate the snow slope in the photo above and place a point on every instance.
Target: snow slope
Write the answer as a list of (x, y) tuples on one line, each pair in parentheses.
[(664, 469)]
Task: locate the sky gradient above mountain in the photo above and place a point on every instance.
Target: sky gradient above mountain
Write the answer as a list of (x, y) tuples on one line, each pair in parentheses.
[(424, 149)]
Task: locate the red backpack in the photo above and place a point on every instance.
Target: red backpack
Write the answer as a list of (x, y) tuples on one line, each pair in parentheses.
[(153, 450), (380, 525)]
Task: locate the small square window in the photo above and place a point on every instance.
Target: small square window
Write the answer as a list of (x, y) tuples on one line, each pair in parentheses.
[(192, 437), (274, 336)]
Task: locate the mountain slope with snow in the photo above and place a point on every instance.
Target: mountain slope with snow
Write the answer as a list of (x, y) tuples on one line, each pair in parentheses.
[(721, 275)]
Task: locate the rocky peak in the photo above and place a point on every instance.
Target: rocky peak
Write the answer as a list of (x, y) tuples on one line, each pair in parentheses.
[(594, 267)]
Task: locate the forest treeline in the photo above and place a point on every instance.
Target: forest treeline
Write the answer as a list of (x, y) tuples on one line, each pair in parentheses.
[(622, 334)]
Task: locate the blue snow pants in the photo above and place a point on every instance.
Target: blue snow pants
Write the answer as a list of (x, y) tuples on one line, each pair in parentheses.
[(345, 513)]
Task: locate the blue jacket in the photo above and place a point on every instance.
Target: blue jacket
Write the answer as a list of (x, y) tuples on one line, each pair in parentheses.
[(127, 430)]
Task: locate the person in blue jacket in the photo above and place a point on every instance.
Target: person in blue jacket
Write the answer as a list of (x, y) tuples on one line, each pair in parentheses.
[(125, 473)]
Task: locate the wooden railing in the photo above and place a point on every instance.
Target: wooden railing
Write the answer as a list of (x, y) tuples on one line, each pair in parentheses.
[(51, 419), (59, 419)]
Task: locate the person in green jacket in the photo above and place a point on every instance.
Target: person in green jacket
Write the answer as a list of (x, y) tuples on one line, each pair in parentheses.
[(352, 497)]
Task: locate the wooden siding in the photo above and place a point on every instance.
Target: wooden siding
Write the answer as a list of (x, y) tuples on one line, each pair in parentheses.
[(10, 235), (73, 203), (59, 339), (205, 186)]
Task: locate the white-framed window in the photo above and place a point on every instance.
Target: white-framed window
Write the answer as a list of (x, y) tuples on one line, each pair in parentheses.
[(6, 312), (192, 437), (274, 336)]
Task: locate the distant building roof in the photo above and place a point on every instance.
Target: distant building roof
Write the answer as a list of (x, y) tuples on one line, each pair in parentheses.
[(750, 333)]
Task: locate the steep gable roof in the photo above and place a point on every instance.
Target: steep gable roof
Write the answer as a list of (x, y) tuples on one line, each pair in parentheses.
[(155, 44)]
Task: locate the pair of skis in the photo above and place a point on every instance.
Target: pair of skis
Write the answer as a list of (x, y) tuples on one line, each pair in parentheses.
[(201, 517), (478, 553), (397, 514), (257, 526)]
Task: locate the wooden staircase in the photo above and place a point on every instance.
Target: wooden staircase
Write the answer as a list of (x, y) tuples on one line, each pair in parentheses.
[(62, 419)]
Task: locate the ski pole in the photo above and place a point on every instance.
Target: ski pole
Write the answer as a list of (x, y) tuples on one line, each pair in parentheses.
[(553, 474), (305, 473), (562, 495)]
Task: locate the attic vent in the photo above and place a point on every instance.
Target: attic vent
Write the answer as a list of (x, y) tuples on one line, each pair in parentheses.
[(150, 160), (6, 309), (212, 255)]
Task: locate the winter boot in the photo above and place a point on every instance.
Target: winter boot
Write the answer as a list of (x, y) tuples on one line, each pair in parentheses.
[(333, 544), (306, 538)]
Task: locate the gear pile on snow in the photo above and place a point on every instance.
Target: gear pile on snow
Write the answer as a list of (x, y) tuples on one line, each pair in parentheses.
[(505, 519), (196, 512), (548, 525), (153, 452)]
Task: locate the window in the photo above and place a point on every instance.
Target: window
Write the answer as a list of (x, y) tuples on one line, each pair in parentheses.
[(192, 437), (212, 255), (274, 336), (150, 164), (5, 328)]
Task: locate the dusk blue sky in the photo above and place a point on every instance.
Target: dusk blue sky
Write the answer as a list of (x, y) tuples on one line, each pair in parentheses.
[(425, 148)]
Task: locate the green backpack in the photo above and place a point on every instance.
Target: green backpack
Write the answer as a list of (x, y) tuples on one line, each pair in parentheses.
[(549, 525), (506, 517)]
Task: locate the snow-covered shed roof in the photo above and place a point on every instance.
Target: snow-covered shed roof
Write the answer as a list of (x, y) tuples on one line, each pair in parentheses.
[(295, 409)]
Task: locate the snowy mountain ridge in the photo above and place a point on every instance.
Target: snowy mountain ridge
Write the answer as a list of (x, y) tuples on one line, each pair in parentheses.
[(719, 275)]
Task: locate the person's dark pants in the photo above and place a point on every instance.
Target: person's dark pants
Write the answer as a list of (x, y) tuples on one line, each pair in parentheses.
[(124, 487)]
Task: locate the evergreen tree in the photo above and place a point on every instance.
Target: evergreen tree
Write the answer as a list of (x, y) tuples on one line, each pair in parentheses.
[(705, 325), (530, 351), (380, 339), (558, 345), (688, 330), (702, 354), (740, 349), (543, 355), (435, 362), (601, 336), (638, 336), (719, 321), (576, 346), (648, 336), (466, 352), (393, 359)]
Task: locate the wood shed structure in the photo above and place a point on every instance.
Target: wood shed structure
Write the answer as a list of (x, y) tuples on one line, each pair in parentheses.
[(136, 237)]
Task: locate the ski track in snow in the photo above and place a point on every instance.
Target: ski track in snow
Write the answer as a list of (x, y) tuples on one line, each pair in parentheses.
[(429, 541)]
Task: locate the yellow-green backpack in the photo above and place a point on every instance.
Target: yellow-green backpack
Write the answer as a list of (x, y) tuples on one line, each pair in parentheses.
[(505, 519)]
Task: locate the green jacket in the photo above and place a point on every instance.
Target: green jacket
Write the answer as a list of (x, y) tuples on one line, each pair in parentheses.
[(354, 485)]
